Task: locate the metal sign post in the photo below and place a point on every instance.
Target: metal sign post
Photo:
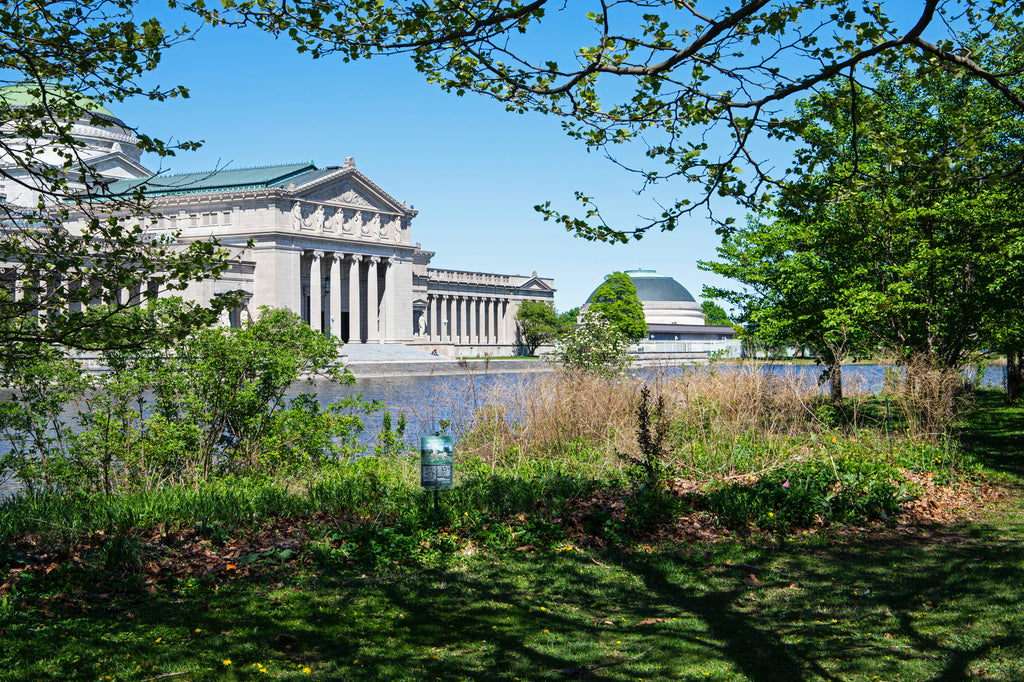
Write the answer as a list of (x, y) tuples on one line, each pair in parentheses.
[(436, 465)]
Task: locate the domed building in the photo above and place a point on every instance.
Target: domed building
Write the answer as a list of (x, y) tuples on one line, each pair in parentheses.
[(103, 143), (325, 242), (675, 321)]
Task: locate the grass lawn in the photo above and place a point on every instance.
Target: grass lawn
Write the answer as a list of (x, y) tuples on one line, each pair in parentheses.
[(938, 603)]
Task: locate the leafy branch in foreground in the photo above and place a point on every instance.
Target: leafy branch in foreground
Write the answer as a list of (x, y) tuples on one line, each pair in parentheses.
[(72, 256), (681, 92)]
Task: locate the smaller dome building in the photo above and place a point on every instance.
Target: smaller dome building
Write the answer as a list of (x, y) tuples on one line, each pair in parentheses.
[(665, 300), (676, 326), (103, 144)]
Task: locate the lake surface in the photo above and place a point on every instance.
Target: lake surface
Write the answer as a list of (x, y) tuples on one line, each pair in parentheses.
[(427, 399)]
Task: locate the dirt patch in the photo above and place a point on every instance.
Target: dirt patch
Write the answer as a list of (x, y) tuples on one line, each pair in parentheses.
[(946, 504)]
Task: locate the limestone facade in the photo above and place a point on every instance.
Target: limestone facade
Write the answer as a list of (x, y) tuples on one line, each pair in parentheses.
[(326, 243)]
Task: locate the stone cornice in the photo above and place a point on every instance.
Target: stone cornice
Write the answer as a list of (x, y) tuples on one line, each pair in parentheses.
[(270, 195), (349, 170)]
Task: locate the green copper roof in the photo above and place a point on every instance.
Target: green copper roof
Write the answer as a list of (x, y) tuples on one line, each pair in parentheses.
[(222, 181), (23, 95), (651, 286)]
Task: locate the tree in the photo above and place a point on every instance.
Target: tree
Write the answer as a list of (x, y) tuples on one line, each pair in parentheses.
[(714, 314), (905, 227), (537, 323), (593, 346), (215, 405), (794, 292), (568, 319), (696, 86), (616, 300), (65, 61)]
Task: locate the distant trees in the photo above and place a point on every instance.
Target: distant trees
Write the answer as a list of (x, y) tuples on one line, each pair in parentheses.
[(538, 324), (714, 314), (616, 300), (567, 319)]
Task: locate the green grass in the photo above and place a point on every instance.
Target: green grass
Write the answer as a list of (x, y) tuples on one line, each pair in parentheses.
[(849, 604), (923, 606)]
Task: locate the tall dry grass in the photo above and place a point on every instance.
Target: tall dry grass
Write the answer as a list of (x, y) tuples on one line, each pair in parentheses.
[(591, 420), (730, 420), (930, 399)]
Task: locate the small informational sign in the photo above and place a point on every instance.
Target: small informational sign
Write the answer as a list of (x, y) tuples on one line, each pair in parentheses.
[(436, 462)]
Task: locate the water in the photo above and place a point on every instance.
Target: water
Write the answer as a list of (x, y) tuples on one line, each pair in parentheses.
[(426, 400)]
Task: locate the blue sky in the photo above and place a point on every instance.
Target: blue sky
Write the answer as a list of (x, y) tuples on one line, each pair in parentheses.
[(472, 170)]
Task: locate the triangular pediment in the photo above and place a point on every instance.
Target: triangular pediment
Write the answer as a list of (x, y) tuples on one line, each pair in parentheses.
[(535, 284), (349, 188), (119, 166)]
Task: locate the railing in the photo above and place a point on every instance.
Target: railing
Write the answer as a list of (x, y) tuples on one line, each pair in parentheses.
[(469, 277)]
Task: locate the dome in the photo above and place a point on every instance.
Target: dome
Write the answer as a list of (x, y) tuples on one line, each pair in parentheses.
[(652, 287), (665, 300), (21, 95)]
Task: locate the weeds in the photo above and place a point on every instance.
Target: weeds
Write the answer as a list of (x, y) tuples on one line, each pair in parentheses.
[(651, 429)]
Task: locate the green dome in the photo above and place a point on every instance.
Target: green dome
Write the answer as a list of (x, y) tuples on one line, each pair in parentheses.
[(22, 95), (651, 287)]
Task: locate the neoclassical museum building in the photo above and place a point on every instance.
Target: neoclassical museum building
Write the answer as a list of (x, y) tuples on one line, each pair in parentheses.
[(327, 243)]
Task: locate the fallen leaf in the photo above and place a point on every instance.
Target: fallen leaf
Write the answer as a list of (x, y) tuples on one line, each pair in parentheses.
[(751, 580)]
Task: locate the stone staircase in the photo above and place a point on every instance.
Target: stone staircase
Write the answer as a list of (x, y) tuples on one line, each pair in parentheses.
[(361, 353)]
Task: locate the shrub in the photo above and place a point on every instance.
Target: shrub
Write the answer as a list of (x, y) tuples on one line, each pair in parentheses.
[(215, 406), (594, 346)]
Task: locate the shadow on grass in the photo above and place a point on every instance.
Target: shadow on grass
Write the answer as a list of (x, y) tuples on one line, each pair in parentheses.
[(995, 436), (925, 606)]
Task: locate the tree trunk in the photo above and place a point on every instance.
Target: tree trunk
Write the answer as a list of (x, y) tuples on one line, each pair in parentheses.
[(835, 383), (1014, 374)]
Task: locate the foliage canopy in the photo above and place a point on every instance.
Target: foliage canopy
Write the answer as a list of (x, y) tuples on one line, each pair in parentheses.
[(537, 324), (686, 92), (904, 229), (616, 300), (60, 64)]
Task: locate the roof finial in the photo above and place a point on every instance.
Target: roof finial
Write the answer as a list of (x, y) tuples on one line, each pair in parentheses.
[(350, 162)]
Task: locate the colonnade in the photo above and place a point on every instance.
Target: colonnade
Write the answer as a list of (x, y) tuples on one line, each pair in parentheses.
[(468, 319), (366, 308)]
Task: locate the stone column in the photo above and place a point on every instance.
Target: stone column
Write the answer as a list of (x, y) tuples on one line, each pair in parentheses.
[(442, 318), (470, 321), (354, 314), (387, 302), (503, 322), (461, 305), (372, 312), (316, 291), (428, 319), (489, 317), (334, 314), (481, 318), (495, 315)]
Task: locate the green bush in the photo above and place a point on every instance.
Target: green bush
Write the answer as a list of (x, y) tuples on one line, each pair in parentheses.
[(847, 491), (215, 406)]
